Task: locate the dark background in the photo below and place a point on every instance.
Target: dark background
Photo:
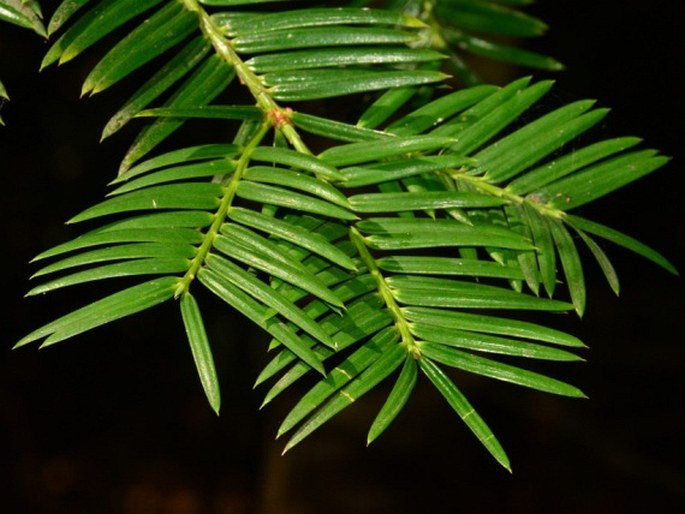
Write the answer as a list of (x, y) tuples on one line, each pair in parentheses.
[(115, 421)]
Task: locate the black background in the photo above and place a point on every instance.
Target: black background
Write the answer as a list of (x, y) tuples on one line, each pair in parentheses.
[(115, 421)]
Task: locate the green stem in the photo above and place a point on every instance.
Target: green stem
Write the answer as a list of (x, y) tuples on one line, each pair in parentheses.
[(504, 194), (279, 116), (274, 116), (220, 216), (401, 323)]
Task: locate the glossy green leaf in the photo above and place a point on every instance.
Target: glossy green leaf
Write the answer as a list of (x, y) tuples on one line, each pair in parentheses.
[(182, 156), (463, 408), (571, 264), (172, 196), (287, 198), (485, 343), (425, 265), (120, 252), (335, 130), (440, 292), (357, 153), (321, 37), (395, 202), (621, 239), (295, 159), (481, 366), (102, 237), (214, 168), (223, 112), (113, 307), (396, 400), (162, 220), (316, 17), (398, 233), (376, 173), (147, 266), (602, 260), (321, 83), (201, 350), (309, 59)]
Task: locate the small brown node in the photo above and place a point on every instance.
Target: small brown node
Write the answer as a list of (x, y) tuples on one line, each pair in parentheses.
[(279, 117)]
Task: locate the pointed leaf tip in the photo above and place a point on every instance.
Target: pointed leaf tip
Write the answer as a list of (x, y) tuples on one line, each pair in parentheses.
[(202, 353)]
